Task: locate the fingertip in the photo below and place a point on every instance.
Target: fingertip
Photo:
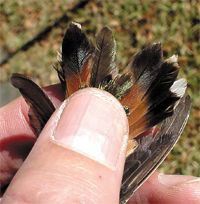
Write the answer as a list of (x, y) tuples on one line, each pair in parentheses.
[(14, 119), (55, 93), (93, 123), (161, 188)]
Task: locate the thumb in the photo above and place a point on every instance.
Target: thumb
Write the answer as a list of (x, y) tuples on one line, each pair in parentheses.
[(79, 156)]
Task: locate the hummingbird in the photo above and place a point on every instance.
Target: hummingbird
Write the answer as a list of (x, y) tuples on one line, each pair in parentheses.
[(155, 101)]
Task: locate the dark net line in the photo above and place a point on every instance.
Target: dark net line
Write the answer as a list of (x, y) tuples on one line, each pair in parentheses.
[(44, 33)]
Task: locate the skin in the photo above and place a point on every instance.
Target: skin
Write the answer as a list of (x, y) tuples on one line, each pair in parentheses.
[(59, 174)]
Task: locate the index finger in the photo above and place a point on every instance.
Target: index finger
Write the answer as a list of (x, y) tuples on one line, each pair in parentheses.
[(14, 116), (16, 135)]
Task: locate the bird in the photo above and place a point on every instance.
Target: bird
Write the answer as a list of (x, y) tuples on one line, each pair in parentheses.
[(154, 99)]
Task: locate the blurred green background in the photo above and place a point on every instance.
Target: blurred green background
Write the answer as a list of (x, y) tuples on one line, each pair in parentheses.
[(176, 24)]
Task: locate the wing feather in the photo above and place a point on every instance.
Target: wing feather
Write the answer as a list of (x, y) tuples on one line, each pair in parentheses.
[(41, 108), (152, 151)]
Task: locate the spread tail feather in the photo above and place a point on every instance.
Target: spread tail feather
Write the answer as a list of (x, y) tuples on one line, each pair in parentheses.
[(154, 93), (74, 70)]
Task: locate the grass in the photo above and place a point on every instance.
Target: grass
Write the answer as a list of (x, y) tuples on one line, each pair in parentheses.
[(135, 24)]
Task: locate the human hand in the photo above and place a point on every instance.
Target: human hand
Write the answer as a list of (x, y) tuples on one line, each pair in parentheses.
[(79, 156)]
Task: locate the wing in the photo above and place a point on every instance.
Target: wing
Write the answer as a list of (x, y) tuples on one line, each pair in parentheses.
[(41, 108), (152, 150)]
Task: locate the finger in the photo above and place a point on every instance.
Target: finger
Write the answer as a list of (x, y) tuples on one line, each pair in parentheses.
[(14, 116), (17, 138), (79, 156), (171, 189)]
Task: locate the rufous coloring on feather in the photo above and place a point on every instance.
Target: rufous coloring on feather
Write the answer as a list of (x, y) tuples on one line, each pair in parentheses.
[(148, 90)]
